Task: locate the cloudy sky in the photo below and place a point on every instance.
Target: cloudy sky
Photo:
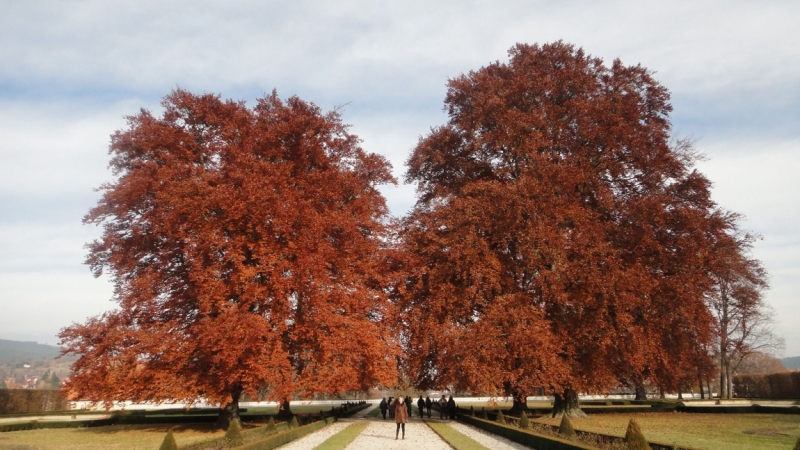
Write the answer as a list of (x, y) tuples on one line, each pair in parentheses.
[(71, 70)]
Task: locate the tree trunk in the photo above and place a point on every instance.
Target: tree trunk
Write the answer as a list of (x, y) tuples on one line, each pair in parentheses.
[(700, 380), (285, 411), (520, 402), (729, 387), (641, 392), (231, 410), (567, 404)]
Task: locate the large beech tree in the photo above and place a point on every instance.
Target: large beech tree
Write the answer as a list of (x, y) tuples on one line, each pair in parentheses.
[(245, 248), (561, 238)]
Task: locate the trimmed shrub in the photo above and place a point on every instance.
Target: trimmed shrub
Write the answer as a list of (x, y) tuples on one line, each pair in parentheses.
[(523, 420), (270, 426), (294, 423), (169, 442), (566, 429), (500, 417), (472, 411), (797, 445), (634, 437), (233, 437), (274, 441)]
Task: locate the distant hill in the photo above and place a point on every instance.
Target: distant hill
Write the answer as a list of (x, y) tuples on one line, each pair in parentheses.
[(12, 351), (791, 363)]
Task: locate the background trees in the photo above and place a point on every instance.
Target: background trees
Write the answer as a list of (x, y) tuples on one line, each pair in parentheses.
[(245, 247), (743, 321), (562, 239)]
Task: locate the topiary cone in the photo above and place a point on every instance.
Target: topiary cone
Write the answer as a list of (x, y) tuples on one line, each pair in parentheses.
[(472, 411), (523, 420), (169, 442), (233, 437), (500, 417), (634, 437), (565, 429), (294, 423), (271, 428), (483, 414)]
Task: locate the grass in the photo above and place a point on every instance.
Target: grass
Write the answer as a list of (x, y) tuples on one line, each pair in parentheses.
[(116, 437), (705, 431), (343, 438), (456, 440)]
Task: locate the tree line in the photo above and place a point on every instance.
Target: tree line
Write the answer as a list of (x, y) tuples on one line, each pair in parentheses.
[(562, 238)]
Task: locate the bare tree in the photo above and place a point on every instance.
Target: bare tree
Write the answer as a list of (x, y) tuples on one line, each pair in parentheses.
[(743, 319)]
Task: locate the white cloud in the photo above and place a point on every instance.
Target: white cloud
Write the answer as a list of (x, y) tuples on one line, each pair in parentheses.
[(69, 71)]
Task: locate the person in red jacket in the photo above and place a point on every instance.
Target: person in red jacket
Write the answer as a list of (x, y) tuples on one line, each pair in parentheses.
[(400, 416)]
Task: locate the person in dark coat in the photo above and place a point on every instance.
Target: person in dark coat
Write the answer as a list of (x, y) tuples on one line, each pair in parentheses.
[(428, 405), (400, 416), (384, 407), (392, 401), (443, 408), (451, 408), (421, 406), (408, 404)]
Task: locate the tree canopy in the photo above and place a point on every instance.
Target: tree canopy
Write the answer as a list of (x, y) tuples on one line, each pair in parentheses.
[(245, 249), (562, 237)]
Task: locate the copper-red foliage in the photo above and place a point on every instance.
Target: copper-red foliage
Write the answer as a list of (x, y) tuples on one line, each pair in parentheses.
[(245, 248), (560, 239)]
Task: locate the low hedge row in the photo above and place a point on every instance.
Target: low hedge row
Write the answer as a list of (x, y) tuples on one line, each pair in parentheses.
[(13, 401), (247, 435), (36, 425), (745, 409), (513, 427), (524, 437), (276, 440)]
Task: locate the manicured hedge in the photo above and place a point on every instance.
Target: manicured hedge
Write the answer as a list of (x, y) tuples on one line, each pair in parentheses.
[(276, 440), (784, 385), (35, 425), (608, 439), (14, 401), (524, 437), (220, 441)]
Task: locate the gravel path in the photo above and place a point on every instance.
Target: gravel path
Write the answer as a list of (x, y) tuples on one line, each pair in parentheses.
[(379, 434)]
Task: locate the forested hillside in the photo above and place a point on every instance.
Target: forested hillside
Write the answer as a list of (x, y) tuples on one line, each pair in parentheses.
[(11, 351), (791, 363)]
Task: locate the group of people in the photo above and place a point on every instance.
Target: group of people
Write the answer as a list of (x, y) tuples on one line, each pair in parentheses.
[(399, 409)]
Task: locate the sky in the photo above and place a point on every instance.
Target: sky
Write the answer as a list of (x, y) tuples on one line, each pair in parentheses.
[(70, 71)]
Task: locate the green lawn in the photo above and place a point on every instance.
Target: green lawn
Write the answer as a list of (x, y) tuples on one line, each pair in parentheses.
[(116, 437), (456, 440), (705, 431), (343, 438)]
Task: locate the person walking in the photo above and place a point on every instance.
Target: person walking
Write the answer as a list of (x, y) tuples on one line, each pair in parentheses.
[(421, 406), (392, 401), (451, 408), (384, 407), (408, 405), (400, 416), (442, 408), (428, 405)]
